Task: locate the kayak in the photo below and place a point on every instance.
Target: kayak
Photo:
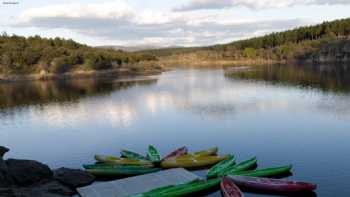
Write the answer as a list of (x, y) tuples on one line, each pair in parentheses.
[(153, 154), (176, 153), (272, 185), (192, 161), (122, 171), (208, 152), (229, 188), (221, 166), (118, 160), (182, 189), (132, 155), (109, 166), (264, 172), (242, 166)]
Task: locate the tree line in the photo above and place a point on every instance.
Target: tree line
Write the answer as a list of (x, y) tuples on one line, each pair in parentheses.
[(34, 54), (296, 43)]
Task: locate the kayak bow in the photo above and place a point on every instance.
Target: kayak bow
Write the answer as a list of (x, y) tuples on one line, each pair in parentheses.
[(229, 189), (221, 166), (153, 154), (176, 153), (242, 166), (132, 155)]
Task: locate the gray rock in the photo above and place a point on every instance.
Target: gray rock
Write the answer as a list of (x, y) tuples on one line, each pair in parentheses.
[(73, 177), (44, 189), (27, 172)]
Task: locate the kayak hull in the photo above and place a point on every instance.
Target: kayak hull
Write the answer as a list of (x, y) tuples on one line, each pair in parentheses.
[(118, 160), (181, 190), (208, 152), (113, 166), (272, 185), (242, 166), (176, 153), (267, 172), (132, 155), (121, 171), (221, 166), (192, 162), (229, 188)]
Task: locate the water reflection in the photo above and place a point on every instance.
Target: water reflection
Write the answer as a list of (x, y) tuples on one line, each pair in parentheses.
[(61, 97), (281, 124), (334, 78)]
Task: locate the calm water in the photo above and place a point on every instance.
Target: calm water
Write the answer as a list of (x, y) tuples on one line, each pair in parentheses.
[(282, 115)]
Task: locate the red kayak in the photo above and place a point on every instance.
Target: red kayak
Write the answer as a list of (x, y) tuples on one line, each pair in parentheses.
[(229, 189), (176, 153), (273, 185)]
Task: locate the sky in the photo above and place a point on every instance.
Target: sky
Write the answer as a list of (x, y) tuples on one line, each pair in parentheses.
[(163, 22)]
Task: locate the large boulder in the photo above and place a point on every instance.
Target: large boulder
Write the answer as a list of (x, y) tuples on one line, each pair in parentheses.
[(5, 178), (73, 177), (3, 150), (27, 172)]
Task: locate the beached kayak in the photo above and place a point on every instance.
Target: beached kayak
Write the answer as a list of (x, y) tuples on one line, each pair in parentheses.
[(242, 166), (118, 160), (229, 188), (267, 172), (153, 154), (208, 152), (109, 166), (272, 185), (221, 166), (182, 189), (122, 171), (176, 153), (132, 155), (192, 161)]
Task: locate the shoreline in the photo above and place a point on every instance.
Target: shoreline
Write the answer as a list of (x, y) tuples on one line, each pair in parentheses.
[(110, 73)]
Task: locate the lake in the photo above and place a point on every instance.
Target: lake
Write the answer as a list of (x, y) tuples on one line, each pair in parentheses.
[(283, 115)]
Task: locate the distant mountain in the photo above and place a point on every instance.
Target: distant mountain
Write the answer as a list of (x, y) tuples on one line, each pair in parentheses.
[(136, 48)]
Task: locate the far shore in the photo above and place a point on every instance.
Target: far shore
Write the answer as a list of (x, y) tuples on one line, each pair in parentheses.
[(110, 73)]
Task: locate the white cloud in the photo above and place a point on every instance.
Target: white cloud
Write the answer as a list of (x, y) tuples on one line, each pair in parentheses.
[(118, 23), (254, 4)]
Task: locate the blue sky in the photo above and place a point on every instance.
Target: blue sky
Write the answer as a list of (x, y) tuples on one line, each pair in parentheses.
[(163, 22)]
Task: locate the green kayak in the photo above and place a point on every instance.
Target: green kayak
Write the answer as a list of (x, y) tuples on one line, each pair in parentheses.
[(242, 166), (132, 155), (264, 172), (112, 166), (153, 154), (182, 189), (121, 171), (221, 166)]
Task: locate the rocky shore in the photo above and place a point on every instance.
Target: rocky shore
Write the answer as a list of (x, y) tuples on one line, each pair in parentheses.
[(28, 178)]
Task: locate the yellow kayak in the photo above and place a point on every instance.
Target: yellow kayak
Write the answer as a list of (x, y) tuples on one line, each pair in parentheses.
[(192, 161), (122, 161), (208, 152)]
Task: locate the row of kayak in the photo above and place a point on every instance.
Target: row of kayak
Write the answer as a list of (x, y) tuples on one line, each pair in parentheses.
[(224, 169)]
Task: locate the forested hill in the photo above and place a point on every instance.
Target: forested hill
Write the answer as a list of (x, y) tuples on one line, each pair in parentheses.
[(35, 54), (300, 43)]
